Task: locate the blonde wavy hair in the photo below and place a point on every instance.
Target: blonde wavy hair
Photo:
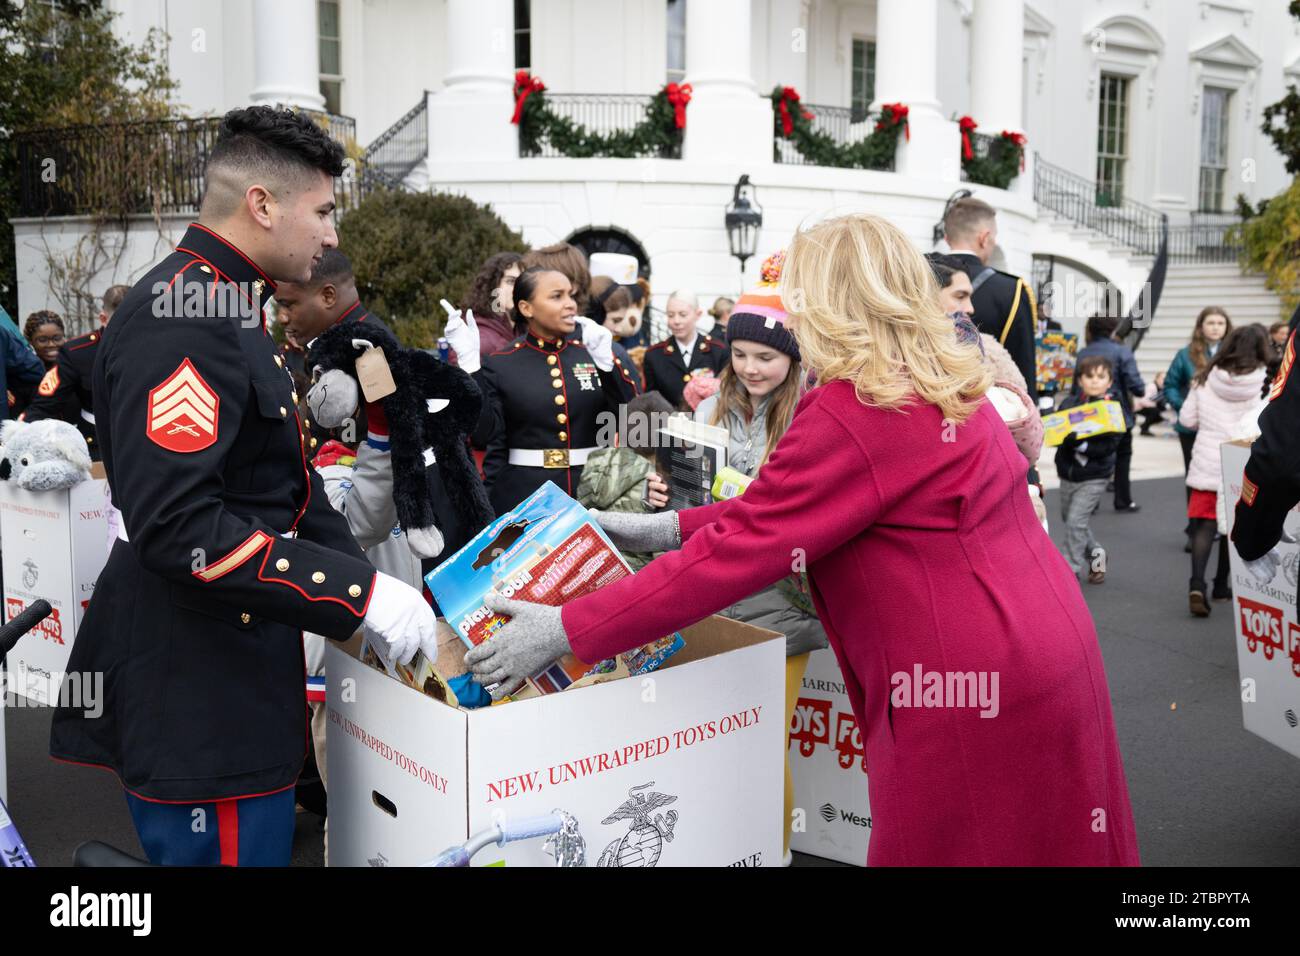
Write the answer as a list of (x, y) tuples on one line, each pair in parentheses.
[(865, 307)]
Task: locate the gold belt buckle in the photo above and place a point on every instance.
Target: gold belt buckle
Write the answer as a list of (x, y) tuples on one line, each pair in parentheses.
[(555, 458)]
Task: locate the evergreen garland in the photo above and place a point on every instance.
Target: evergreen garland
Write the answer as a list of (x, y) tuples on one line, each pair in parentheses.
[(792, 122), (659, 134), (1003, 163)]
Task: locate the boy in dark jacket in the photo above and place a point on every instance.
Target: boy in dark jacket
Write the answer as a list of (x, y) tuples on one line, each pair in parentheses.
[(1084, 466)]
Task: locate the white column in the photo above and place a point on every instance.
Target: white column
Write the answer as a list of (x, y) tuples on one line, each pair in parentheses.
[(907, 72), (726, 120), (469, 118), (996, 62), (286, 61)]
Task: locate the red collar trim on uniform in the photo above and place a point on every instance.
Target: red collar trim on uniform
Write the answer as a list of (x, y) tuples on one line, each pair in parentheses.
[(198, 225), (355, 305)]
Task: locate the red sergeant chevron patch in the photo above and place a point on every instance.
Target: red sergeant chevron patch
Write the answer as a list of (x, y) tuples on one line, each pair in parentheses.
[(1248, 491), (183, 411)]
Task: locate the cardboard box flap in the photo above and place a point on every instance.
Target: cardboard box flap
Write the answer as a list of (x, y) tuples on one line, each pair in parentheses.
[(717, 635)]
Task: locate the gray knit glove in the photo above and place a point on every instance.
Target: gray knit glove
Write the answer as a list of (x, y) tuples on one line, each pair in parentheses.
[(639, 533), (530, 641)]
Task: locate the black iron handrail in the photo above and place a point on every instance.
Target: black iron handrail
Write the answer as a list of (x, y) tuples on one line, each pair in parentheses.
[(123, 169), (843, 124), (400, 148), (602, 113), (114, 169), (1130, 223)]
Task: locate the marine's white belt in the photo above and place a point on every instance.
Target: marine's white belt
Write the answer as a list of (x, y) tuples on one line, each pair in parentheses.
[(536, 457)]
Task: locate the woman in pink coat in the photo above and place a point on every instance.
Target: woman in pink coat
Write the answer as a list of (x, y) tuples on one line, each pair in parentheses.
[(904, 492)]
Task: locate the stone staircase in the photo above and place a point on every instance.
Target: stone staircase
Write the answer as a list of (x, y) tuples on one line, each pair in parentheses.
[(1189, 287)]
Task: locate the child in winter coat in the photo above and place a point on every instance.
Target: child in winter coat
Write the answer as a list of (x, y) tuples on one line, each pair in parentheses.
[(1227, 389), (1084, 467), (622, 478), (757, 392)]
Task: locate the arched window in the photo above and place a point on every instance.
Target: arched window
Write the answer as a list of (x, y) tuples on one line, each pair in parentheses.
[(612, 240)]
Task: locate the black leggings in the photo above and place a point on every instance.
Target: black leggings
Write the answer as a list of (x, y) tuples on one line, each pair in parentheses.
[(1203, 531)]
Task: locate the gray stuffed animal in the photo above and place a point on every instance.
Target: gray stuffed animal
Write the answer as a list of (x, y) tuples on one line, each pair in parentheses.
[(43, 456)]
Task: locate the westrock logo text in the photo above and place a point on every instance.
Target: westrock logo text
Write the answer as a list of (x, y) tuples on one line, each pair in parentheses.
[(132, 910), (946, 689)]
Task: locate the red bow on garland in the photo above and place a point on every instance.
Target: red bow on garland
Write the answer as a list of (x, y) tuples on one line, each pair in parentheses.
[(789, 95), (524, 85), (967, 127), (896, 113), (1019, 140), (679, 95)]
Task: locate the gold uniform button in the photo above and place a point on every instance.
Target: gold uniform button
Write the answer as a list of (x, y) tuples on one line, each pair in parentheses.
[(564, 436), (561, 418), (93, 337), (279, 361), (246, 617), (519, 345), (318, 577), (555, 373), (669, 349), (90, 439), (283, 411), (295, 397), (282, 565), (551, 360), (313, 443), (556, 383), (206, 271), (559, 399), (355, 590), (686, 378)]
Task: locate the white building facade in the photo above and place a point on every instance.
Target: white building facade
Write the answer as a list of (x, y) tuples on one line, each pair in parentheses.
[(1154, 105)]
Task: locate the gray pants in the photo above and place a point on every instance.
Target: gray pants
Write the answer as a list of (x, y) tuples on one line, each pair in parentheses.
[(1078, 501)]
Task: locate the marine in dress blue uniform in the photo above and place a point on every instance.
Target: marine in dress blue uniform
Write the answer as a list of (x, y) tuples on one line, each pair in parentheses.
[(666, 372), (542, 400), (197, 619), (64, 392)]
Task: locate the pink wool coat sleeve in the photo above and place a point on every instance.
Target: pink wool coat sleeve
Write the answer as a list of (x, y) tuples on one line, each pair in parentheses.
[(926, 563)]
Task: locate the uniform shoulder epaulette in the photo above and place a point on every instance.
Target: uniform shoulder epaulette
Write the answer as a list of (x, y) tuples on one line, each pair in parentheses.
[(81, 341), (658, 345), (510, 349)]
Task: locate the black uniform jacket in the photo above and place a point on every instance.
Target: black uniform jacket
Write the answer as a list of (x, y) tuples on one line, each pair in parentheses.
[(666, 373), (1271, 485), (234, 549), (1005, 309), (65, 393), (543, 394)]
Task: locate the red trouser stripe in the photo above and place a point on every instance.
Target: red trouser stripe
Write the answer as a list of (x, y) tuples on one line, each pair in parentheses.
[(228, 831)]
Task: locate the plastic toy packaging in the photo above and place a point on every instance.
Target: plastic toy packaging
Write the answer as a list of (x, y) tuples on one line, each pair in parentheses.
[(1094, 418), (547, 550)]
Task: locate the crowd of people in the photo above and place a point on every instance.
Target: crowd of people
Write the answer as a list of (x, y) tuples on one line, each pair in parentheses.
[(890, 426)]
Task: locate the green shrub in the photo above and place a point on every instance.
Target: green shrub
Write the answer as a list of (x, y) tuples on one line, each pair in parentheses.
[(1271, 244), (410, 250)]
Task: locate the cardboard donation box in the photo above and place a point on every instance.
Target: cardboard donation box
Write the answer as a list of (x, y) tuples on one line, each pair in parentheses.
[(1265, 627), (54, 545), (698, 743), (829, 767)]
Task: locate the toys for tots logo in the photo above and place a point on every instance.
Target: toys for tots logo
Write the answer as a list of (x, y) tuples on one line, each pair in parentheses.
[(1261, 626)]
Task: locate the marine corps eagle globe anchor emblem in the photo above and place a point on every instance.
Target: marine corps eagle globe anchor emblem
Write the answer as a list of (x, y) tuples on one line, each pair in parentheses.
[(644, 842)]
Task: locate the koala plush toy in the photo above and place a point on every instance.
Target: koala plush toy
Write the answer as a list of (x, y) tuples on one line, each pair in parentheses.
[(440, 499), (43, 456)]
